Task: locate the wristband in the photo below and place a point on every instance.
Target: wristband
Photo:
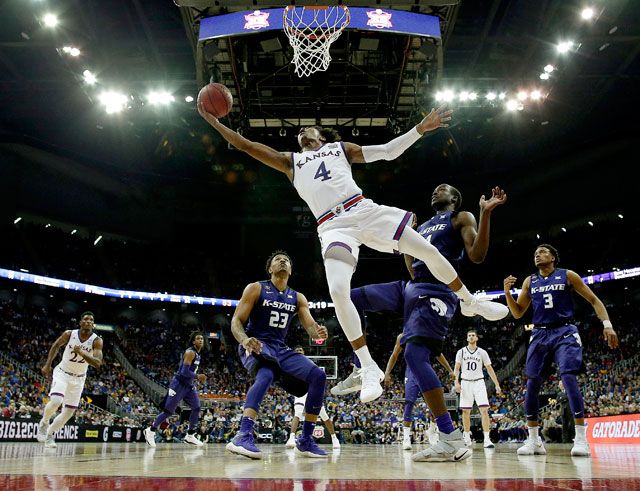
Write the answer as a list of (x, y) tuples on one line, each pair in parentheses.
[(607, 324)]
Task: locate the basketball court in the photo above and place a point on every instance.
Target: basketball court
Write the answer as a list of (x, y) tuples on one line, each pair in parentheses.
[(379, 467)]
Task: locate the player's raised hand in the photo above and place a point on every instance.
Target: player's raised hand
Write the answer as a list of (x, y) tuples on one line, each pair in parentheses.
[(498, 197), (437, 118), (509, 281), (210, 118), (321, 332), (611, 337), (252, 345), (202, 378)]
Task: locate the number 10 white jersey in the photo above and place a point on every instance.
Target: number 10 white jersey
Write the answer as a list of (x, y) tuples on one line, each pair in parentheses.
[(472, 362), (72, 362), (323, 177)]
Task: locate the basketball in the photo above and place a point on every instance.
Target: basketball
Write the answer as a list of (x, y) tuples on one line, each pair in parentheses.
[(215, 99)]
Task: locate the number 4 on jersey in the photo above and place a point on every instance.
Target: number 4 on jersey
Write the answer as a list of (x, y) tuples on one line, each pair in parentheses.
[(322, 172)]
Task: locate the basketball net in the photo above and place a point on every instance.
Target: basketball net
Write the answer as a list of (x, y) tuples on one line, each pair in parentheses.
[(311, 31)]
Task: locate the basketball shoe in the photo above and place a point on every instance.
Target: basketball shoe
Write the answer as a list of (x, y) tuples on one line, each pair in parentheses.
[(192, 440), (467, 439), (580, 448), (353, 383), (532, 447), (406, 444), (450, 448), (372, 377), (307, 447), (42, 432), (492, 311), (50, 442), (150, 437), (242, 444), (291, 442), (335, 443)]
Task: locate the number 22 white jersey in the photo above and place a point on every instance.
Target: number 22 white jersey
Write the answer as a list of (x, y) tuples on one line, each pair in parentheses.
[(472, 362), (323, 177), (72, 362)]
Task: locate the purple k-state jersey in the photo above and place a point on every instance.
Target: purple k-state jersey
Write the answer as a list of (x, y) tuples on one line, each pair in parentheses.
[(195, 364), (440, 233), (272, 314), (551, 298)]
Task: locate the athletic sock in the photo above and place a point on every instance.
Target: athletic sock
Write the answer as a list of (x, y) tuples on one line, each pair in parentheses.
[(464, 294), (364, 356)]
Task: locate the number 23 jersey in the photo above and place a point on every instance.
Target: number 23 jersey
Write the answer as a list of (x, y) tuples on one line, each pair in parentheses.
[(272, 313), (323, 177)]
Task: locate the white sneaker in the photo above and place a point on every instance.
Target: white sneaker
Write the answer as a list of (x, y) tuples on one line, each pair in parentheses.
[(42, 431), (50, 442), (489, 444), (372, 377), (291, 442), (580, 449), (532, 447), (466, 437), (335, 443), (353, 383), (192, 440), (150, 437), (450, 448), (406, 444), (492, 311)]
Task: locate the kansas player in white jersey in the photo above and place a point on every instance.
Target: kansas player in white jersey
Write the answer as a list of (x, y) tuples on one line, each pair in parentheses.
[(82, 348), (321, 173), (469, 375)]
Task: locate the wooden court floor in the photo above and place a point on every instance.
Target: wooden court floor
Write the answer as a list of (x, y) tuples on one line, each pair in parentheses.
[(96, 466)]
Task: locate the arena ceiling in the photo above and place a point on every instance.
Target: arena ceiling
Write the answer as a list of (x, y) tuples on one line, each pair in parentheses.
[(159, 171)]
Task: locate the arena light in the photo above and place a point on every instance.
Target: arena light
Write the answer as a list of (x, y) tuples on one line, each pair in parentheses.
[(544, 76), (71, 51), (114, 102), (549, 68), (590, 223), (535, 95), (473, 96), (463, 96), (189, 98), (17, 220), (502, 96), (620, 216), (89, 77), (587, 13), (564, 46), (512, 105), (563, 229), (522, 95), (50, 20), (491, 96), (47, 225), (73, 232), (95, 242), (160, 98)]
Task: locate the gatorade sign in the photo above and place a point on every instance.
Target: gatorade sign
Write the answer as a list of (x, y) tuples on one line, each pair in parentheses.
[(614, 429)]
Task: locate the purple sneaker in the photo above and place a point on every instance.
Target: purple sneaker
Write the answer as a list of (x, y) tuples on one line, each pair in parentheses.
[(242, 444), (307, 447)]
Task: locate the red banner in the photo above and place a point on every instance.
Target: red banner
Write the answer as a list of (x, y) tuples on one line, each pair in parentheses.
[(614, 429)]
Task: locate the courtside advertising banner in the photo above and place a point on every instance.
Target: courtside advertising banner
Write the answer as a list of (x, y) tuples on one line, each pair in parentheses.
[(614, 429)]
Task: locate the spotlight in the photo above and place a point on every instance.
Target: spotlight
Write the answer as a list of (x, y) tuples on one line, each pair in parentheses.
[(89, 77), (95, 242), (587, 13), (439, 96), (564, 46), (512, 104), (620, 215), (17, 220), (537, 236), (355, 132), (535, 95), (522, 95), (47, 225), (73, 232), (502, 96), (549, 68), (445, 95), (189, 98), (71, 51), (158, 98), (464, 95), (473, 96), (114, 102), (544, 76), (282, 132), (50, 20), (491, 96), (590, 223), (563, 229)]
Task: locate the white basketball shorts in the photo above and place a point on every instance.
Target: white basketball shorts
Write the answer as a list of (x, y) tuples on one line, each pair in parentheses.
[(376, 226), (473, 391), (298, 409), (69, 387)]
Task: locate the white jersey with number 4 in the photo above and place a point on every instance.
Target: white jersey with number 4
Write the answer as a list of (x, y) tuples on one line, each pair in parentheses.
[(323, 177), (72, 362), (472, 362)]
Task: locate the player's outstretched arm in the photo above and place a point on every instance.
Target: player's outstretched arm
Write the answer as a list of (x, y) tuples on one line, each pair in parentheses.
[(315, 330), (53, 351), (393, 359), (356, 154), (601, 311), (476, 237), (94, 360), (265, 154), (519, 307), (241, 315)]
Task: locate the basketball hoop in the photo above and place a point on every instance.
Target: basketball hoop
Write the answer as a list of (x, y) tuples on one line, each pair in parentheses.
[(311, 31)]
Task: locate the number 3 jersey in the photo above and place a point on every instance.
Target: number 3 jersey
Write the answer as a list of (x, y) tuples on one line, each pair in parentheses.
[(72, 362), (272, 314), (551, 298), (323, 177)]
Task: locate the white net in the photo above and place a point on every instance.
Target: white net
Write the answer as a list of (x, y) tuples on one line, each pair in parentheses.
[(311, 31)]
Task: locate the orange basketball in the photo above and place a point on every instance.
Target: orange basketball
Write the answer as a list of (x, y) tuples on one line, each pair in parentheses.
[(215, 99)]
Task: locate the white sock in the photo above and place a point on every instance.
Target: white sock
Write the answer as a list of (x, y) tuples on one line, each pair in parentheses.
[(581, 432), (464, 294), (467, 433), (486, 435), (364, 356), (334, 437), (416, 245), (292, 435), (533, 433), (406, 433), (339, 275)]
